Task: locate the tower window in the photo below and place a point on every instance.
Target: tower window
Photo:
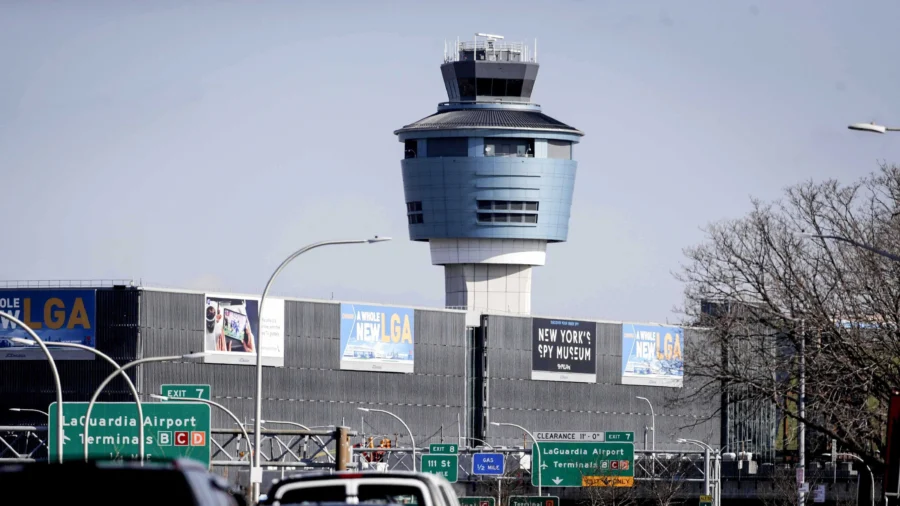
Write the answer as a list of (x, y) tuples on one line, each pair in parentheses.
[(412, 207), (415, 219), (410, 149), (559, 149), (448, 146), (509, 147), (466, 87), (507, 218), (503, 205), (414, 213)]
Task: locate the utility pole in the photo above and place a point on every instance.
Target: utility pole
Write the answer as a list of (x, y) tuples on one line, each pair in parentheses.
[(801, 405)]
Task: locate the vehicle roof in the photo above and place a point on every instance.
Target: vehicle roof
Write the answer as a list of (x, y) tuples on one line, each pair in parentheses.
[(344, 475)]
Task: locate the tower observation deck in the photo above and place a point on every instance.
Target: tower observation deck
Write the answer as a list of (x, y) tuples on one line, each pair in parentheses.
[(488, 178)]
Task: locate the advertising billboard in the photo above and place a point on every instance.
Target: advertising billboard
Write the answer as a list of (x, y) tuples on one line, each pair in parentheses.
[(377, 338), (652, 355), (55, 315), (231, 330), (563, 350)]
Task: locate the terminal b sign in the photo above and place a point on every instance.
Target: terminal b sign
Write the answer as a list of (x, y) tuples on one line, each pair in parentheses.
[(171, 430)]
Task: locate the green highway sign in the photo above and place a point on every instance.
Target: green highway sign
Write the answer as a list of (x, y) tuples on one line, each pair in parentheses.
[(534, 500), (477, 501), (565, 464), (443, 449), (444, 465), (186, 391), (171, 430), (623, 437)]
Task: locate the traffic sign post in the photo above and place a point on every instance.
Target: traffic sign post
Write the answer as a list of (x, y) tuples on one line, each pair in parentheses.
[(443, 449), (534, 500), (171, 430), (566, 464), (477, 501), (443, 465), (620, 437), (488, 464), (175, 392)]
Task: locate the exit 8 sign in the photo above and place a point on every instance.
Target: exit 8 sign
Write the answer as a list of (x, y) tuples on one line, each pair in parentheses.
[(175, 392)]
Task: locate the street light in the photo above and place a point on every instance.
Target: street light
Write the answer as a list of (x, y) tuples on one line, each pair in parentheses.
[(369, 410), (304, 427), (55, 371), (208, 403), (505, 424), (871, 475), (121, 370), (108, 359), (706, 451), (27, 410), (873, 249), (255, 469), (652, 431), (872, 127)]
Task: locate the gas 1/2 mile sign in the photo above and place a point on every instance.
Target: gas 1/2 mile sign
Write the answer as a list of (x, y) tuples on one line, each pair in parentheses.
[(582, 464), (171, 430)]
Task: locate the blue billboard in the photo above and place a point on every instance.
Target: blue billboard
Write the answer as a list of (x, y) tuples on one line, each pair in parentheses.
[(377, 338), (55, 315), (652, 355)]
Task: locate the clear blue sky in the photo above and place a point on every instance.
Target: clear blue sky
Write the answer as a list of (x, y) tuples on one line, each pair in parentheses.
[(197, 144)]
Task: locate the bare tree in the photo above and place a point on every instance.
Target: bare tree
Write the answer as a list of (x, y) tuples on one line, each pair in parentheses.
[(772, 298)]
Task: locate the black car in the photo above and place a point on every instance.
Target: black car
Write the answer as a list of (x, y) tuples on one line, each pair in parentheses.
[(177, 483)]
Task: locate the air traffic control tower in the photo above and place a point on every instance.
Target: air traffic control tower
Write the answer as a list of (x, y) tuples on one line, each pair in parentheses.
[(488, 178)]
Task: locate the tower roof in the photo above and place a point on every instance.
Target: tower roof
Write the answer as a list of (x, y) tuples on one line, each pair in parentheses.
[(489, 118)]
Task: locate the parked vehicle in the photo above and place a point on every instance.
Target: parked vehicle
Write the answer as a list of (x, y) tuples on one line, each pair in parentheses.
[(395, 487)]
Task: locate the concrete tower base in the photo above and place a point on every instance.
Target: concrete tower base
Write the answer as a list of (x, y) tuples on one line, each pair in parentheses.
[(488, 274), (501, 288)]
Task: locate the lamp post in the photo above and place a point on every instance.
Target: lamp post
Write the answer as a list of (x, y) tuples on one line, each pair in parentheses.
[(304, 427), (27, 410), (499, 478), (209, 403), (873, 249), (255, 469), (652, 431), (871, 475), (55, 371), (505, 424), (707, 449), (109, 360), (121, 370), (411, 438), (872, 127)]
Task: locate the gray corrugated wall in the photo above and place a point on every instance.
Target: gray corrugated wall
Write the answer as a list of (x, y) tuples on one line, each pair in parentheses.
[(311, 389), (29, 383), (602, 406)]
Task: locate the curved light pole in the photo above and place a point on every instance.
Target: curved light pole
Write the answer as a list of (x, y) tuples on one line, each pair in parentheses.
[(871, 475), (411, 438), (121, 370), (652, 430), (255, 469), (504, 424), (304, 427), (707, 449), (208, 403), (27, 410), (55, 371), (873, 249), (872, 127), (108, 359), (481, 440)]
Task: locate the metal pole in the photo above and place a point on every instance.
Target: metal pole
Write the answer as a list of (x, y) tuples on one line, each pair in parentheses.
[(652, 432), (706, 471), (863, 462), (255, 469), (801, 439), (134, 392), (59, 399), (210, 403), (411, 438), (536, 447), (304, 427), (120, 370)]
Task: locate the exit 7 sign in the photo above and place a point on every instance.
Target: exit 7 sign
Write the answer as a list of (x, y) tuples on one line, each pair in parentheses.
[(186, 392)]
